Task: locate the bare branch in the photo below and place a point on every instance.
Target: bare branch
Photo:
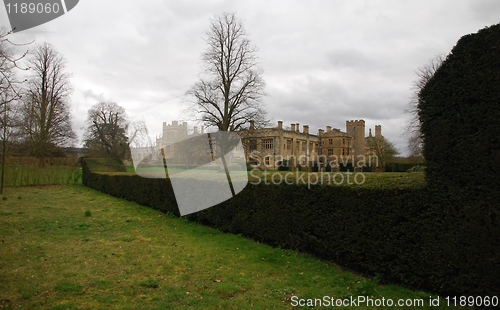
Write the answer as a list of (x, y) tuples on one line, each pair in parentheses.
[(109, 131), (45, 109), (412, 128), (230, 90)]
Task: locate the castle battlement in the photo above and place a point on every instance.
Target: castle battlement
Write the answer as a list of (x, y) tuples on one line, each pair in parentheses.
[(360, 122)]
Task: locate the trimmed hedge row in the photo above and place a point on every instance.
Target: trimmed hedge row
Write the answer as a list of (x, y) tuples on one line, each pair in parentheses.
[(459, 111), (403, 236)]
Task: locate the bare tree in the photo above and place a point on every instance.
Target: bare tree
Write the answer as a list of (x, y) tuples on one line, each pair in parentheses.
[(46, 115), (412, 128), (137, 133), (9, 92), (9, 64), (109, 131), (384, 151), (229, 92)]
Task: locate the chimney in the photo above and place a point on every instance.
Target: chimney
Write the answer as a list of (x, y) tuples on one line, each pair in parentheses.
[(280, 125), (252, 125), (297, 127), (320, 132), (378, 131), (370, 133), (306, 129), (293, 127), (328, 128)]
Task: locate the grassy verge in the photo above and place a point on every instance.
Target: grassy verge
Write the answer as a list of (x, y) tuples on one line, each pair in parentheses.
[(358, 179), (70, 247), (365, 179), (27, 171)]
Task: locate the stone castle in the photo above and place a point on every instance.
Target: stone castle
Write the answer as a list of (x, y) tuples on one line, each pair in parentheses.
[(329, 145), (269, 148)]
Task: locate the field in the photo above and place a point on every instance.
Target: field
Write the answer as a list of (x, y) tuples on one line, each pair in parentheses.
[(70, 247), (26, 171)]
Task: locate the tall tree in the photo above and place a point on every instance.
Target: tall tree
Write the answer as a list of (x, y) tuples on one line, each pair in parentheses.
[(229, 92), (110, 133), (383, 149), (9, 64), (46, 115), (412, 128), (9, 92)]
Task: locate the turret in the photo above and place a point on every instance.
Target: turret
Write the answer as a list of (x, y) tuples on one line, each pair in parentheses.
[(356, 129)]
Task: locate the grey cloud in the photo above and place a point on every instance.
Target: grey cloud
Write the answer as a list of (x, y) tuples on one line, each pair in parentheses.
[(488, 10), (89, 94), (324, 61)]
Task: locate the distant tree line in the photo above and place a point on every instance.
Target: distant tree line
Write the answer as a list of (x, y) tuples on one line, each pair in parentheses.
[(35, 115)]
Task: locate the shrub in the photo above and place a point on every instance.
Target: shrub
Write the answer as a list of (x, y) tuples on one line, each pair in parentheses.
[(417, 168), (398, 167)]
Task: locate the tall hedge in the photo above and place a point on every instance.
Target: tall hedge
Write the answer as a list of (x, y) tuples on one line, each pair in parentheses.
[(459, 110)]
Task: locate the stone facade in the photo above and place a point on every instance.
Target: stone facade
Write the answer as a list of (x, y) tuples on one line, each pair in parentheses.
[(271, 147), (268, 148)]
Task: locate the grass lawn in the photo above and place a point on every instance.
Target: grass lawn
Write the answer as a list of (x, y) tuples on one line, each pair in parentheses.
[(358, 179), (70, 247), (365, 179)]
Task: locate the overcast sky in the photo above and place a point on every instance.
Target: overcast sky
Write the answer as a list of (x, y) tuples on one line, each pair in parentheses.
[(324, 61)]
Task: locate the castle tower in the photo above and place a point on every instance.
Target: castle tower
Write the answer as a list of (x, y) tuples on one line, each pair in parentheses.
[(356, 129)]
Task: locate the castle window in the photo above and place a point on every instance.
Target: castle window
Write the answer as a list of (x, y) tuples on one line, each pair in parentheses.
[(304, 146), (330, 152), (266, 160), (343, 151), (330, 141), (343, 141), (288, 144), (268, 144)]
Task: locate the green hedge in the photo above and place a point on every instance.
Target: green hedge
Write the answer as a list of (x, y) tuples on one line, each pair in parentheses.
[(403, 236), (399, 167), (459, 110)]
